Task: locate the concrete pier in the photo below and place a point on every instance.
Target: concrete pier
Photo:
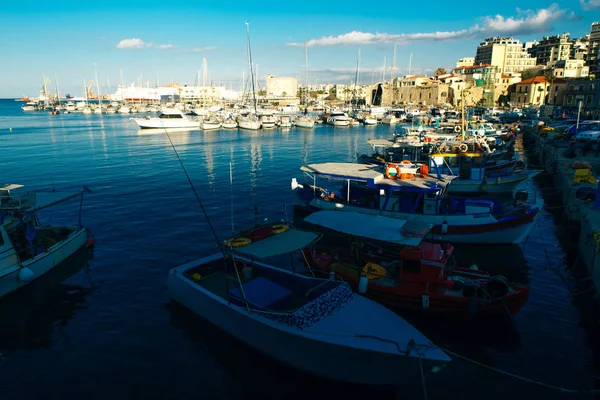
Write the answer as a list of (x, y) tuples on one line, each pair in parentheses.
[(575, 191)]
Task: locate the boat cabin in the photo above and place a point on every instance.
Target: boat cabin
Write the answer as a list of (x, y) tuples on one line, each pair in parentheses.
[(367, 186)]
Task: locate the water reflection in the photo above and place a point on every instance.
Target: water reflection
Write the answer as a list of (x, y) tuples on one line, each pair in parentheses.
[(30, 316)]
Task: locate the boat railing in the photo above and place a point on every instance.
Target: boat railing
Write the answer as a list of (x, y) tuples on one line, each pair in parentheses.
[(19, 201), (332, 278)]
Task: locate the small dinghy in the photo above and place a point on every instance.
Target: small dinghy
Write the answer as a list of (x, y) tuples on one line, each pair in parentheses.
[(312, 324)]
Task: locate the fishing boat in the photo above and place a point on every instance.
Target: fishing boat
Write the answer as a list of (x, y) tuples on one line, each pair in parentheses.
[(29, 249), (168, 118), (479, 169), (410, 192), (403, 270), (316, 325)]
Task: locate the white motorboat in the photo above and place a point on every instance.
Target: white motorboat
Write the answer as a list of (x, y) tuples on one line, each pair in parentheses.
[(304, 121), (315, 325), (285, 121), (168, 118), (390, 119), (229, 123), (338, 118), (28, 248), (289, 109), (268, 121), (210, 123)]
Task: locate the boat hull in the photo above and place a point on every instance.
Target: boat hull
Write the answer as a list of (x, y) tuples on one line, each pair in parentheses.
[(44, 262), (459, 228), (301, 350), (494, 185), (156, 123), (250, 125)]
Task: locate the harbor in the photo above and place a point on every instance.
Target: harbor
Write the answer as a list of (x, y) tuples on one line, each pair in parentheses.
[(114, 312)]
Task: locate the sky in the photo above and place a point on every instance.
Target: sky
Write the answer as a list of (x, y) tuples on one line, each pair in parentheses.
[(68, 43)]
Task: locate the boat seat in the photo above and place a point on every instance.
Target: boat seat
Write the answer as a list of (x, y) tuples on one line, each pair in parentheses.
[(261, 292)]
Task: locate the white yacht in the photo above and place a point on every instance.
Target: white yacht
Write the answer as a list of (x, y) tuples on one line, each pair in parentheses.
[(289, 109), (209, 123), (250, 122), (168, 118), (304, 121), (338, 118)]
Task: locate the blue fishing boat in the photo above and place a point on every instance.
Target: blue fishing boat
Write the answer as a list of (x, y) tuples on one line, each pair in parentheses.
[(409, 192)]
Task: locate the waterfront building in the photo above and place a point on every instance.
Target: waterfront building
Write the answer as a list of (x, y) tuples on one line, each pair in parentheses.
[(570, 69), (530, 92), (593, 59), (281, 86), (505, 53), (584, 91), (465, 62), (551, 49), (414, 89)]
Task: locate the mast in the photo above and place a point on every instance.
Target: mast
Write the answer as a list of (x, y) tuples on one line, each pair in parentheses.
[(57, 91), (393, 65), (409, 63), (383, 70), (251, 69), (97, 86), (356, 77), (305, 100)]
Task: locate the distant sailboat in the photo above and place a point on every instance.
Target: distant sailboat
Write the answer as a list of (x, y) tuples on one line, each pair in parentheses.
[(250, 121), (305, 120)]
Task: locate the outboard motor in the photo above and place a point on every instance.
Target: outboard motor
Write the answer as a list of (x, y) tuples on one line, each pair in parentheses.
[(521, 195), (497, 287)]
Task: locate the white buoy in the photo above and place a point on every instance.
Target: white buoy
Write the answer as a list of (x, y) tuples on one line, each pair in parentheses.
[(425, 301), (25, 274), (444, 227), (363, 282)]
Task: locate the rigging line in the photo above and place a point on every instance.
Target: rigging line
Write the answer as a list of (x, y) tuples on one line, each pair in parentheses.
[(195, 192)]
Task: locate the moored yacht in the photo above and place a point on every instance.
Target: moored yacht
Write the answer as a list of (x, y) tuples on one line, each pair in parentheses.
[(168, 118)]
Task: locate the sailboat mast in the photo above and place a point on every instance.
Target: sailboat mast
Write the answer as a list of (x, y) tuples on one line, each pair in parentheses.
[(57, 91), (409, 63), (97, 85), (393, 65), (251, 69), (357, 75)]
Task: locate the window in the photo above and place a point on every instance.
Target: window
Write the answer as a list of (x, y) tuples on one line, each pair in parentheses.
[(571, 87), (591, 87), (581, 87), (519, 100), (570, 99), (589, 98)]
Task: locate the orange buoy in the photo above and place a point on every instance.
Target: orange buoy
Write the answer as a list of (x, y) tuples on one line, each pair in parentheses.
[(392, 171)]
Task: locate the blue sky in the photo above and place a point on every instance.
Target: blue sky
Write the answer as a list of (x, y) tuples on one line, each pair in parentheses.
[(143, 40)]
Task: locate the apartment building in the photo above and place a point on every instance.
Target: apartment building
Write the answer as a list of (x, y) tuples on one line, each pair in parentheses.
[(506, 54)]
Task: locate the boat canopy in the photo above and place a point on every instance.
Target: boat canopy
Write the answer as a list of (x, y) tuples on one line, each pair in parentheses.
[(31, 201), (373, 175), (385, 229), (279, 244)]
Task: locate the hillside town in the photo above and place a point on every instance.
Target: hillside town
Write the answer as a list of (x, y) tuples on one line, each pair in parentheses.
[(555, 75)]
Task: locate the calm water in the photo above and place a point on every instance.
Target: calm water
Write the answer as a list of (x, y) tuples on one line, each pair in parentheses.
[(109, 331)]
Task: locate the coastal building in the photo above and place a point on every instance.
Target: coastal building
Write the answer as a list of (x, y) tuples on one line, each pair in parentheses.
[(584, 91), (570, 69), (551, 49), (530, 92), (593, 58), (416, 90), (465, 62), (579, 48), (505, 53), (281, 86)]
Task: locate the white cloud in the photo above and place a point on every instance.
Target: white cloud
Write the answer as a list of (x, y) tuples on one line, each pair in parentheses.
[(201, 49), (526, 21), (135, 43), (589, 5)]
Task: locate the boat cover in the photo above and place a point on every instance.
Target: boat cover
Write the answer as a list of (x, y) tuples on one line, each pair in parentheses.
[(376, 227), (282, 243)]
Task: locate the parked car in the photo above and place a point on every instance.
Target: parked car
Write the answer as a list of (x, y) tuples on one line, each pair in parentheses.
[(586, 136)]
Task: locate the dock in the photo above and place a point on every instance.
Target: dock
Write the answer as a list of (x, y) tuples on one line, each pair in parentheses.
[(575, 179)]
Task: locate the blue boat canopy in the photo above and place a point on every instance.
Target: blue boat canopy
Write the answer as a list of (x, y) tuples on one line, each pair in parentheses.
[(385, 229)]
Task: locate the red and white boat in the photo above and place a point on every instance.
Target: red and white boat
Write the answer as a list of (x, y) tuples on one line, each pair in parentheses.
[(419, 276)]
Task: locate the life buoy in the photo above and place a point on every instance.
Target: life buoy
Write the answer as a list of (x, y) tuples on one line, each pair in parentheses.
[(457, 129), (280, 228), (428, 140), (238, 242), (424, 170), (463, 147), (405, 162), (392, 171)]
